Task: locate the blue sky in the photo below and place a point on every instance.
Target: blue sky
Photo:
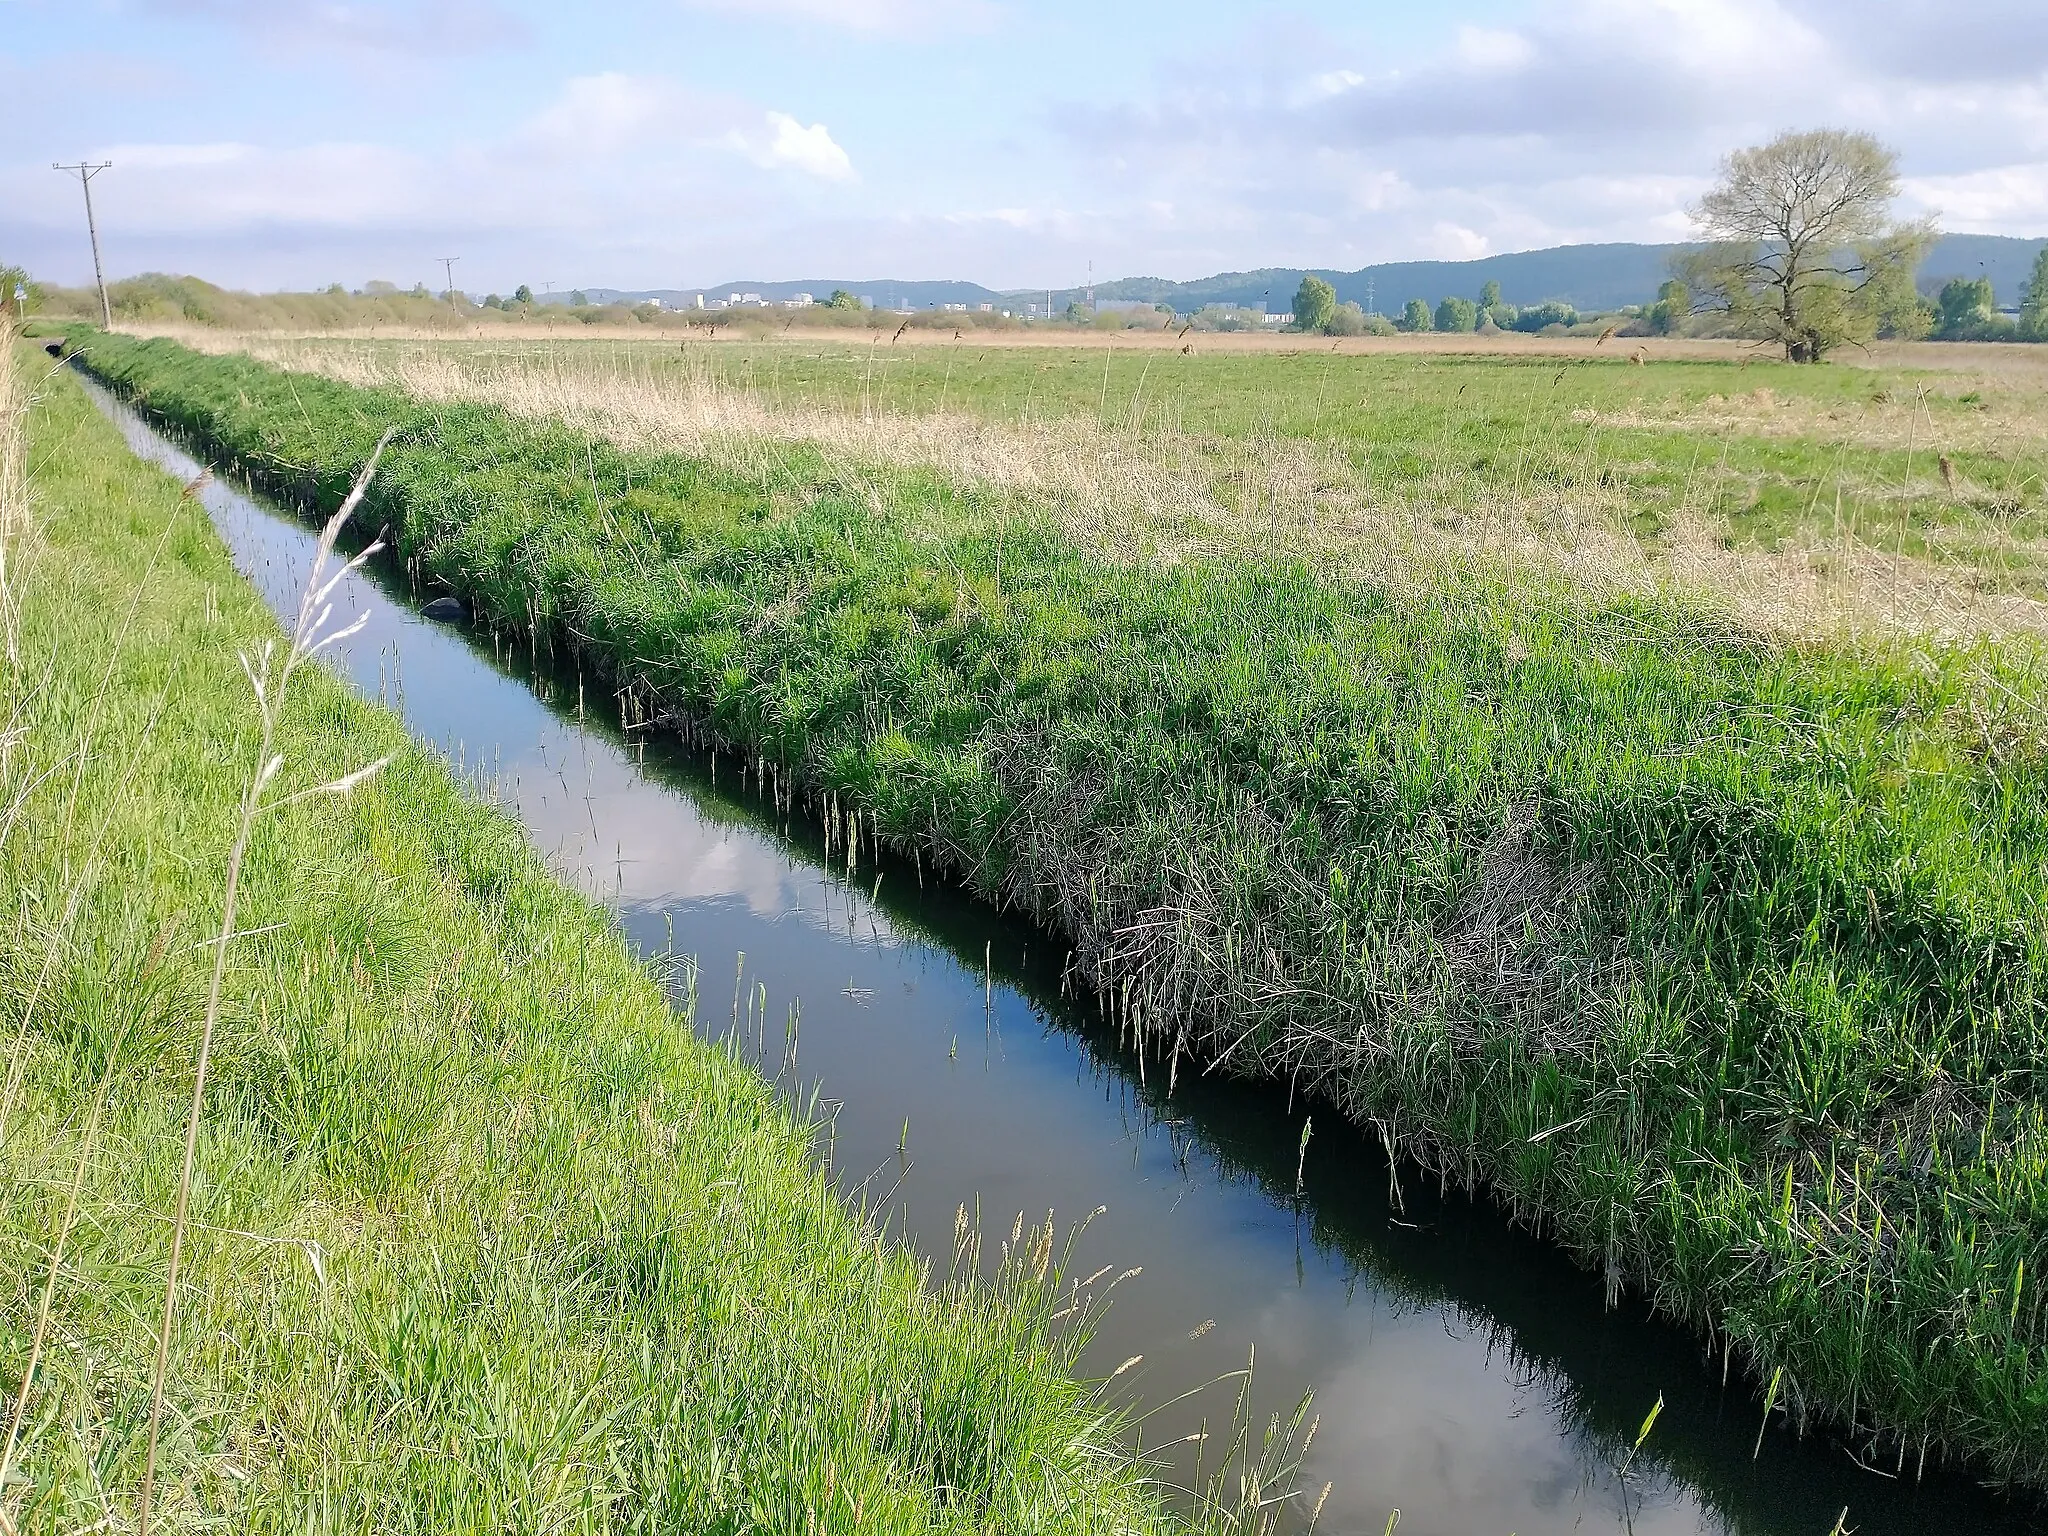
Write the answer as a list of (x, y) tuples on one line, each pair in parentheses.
[(682, 143)]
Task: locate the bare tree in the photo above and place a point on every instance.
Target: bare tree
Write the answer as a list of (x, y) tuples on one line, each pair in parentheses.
[(1805, 253)]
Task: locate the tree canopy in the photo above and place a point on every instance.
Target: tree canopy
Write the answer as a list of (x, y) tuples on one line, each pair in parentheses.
[(1456, 314), (1966, 305), (2034, 302), (1347, 319), (841, 299), (1314, 302), (1416, 316), (1804, 251), (1550, 312), (1673, 305), (17, 294)]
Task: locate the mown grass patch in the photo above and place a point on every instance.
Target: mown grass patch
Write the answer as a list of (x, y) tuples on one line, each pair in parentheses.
[(482, 1237), (1720, 954)]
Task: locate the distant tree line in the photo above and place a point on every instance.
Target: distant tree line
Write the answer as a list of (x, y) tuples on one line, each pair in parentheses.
[(1966, 309), (1316, 309)]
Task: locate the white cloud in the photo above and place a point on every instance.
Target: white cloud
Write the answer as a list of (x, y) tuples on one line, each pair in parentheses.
[(1486, 48), (1454, 242), (1321, 87), (594, 160), (1992, 201), (1570, 120), (607, 112), (1581, 120), (229, 187), (788, 144)]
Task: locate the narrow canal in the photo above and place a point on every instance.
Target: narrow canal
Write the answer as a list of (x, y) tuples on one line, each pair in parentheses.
[(1462, 1370)]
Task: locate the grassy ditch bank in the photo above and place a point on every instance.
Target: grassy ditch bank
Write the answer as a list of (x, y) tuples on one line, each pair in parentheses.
[(481, 1237), (1722, 956)]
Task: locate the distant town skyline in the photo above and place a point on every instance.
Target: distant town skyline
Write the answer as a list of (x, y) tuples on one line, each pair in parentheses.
[(676, 143)]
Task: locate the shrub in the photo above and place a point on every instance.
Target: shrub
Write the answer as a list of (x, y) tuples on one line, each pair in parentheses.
[(1965, 308), (1455, 314), (1540, 317), (1314, 302), (1347, 319)]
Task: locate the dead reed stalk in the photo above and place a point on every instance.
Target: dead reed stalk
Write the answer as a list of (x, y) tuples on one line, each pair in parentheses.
[(14, 506)]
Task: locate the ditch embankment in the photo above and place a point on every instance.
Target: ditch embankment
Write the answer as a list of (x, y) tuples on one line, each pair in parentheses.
[(479, 1237), (1719, 957)]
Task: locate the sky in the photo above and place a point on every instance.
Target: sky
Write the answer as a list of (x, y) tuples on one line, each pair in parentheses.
[(688, 143)]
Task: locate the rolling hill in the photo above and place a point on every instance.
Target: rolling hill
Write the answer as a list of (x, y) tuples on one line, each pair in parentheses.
[(1590, 277)]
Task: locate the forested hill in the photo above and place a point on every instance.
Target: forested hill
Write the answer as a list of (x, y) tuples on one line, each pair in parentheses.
[(1589, 277)]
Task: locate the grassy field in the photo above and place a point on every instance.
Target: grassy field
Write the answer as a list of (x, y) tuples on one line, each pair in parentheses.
[(1716, 945), (1797, 499), (481, 1237)]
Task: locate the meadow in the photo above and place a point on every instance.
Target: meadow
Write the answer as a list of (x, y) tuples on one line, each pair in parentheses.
[(1619, 787), (480, 1235), (1800, 499)]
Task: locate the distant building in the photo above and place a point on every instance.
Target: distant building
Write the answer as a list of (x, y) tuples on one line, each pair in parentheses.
[(700, 302), (798, 301), (957, 309)]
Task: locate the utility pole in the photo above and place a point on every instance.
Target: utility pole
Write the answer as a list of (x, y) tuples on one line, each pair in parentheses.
[(448, 266), (85, 170)]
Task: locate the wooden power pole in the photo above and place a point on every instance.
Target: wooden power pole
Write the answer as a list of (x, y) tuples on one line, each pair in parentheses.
[(85, 170)]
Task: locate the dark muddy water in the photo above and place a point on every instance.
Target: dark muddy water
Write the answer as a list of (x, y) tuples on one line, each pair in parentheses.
[(1463, 1371)]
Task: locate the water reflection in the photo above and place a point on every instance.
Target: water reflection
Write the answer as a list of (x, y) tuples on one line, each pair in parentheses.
[(1462, 1369)]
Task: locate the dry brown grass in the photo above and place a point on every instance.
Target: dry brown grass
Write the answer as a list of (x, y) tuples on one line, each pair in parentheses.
[(1978, 361), (2011, 422), (15, 522), (1172, 495)]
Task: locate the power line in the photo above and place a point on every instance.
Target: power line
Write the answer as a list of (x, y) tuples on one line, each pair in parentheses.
[(85, 170)]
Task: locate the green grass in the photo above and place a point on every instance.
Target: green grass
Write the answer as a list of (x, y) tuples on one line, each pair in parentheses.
[(1763, 445), (483, 1238), (1722, 956), (1839, 471)]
